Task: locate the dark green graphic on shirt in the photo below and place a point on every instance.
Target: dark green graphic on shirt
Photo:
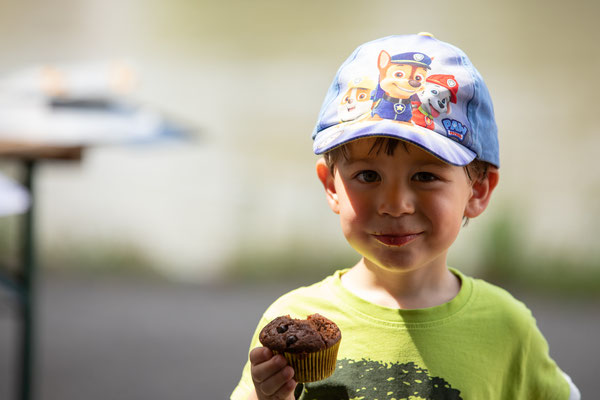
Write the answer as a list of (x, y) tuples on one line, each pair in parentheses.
[(371, 380)]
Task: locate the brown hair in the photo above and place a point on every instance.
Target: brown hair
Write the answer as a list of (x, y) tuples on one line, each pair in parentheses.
[(476, 170)]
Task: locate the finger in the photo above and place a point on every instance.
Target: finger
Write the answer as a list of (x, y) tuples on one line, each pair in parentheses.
[(263, 371), (260, 354), (280, 385), (286, 391)]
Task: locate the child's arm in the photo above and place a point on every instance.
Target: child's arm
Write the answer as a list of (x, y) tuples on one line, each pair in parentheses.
[(271, 375)]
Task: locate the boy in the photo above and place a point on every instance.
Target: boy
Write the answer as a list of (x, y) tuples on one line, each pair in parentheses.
[(412, 328)]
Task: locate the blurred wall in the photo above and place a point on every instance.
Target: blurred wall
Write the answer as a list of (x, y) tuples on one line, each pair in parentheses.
[(251, 77)]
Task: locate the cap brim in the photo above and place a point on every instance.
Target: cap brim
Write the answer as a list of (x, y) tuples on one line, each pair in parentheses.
[(440, 146)]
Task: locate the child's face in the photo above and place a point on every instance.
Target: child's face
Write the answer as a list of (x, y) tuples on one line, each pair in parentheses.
[(400, 211)]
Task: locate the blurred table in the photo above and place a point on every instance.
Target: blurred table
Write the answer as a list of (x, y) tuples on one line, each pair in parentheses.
[(22, 281), (34, 151)]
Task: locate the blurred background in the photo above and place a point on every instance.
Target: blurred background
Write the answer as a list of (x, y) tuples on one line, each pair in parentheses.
[(157, 260)]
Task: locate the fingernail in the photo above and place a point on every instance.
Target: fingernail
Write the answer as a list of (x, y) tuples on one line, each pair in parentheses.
[(289, 372)]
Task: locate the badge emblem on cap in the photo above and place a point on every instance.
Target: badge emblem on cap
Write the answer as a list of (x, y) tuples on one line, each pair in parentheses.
[(399, 108), (418, 57)]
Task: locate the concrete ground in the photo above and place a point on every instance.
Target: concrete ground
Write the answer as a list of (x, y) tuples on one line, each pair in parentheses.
[(108, 338)]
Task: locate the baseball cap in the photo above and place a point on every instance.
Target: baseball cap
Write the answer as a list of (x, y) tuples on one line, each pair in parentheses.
[(450, 115)]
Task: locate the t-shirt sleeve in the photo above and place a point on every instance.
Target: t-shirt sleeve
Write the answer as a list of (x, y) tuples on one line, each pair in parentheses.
[(542, 378), (245, 385)]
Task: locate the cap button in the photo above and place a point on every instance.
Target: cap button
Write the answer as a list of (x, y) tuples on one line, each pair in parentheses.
[(426, 34)]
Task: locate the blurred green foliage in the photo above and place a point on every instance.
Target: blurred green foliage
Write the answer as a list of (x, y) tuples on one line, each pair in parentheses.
[(505, 262), (81, 256), (9, 243), (297, 263), (508, 263), (97, 257)]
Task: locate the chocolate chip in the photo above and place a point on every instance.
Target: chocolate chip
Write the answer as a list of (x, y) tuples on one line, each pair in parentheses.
[(291, 340), (282, 328)]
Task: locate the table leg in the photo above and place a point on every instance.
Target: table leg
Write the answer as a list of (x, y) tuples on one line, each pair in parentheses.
[(28, 299)]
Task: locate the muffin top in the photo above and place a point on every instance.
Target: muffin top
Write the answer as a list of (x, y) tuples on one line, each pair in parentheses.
[(300, 335)]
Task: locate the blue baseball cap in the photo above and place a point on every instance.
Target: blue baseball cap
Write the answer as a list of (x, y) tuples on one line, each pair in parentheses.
[(423, 91)]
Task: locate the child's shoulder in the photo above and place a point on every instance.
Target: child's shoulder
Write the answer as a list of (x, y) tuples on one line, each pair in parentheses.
[(500, 303)]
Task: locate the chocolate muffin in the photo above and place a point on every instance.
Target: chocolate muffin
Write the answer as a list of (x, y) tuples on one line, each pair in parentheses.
[(309, 345)]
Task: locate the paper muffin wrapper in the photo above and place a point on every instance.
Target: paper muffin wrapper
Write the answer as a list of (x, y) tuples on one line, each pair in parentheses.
[(311, 367)]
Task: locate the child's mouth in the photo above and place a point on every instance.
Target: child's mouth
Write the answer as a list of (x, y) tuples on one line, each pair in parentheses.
[(396, 240)]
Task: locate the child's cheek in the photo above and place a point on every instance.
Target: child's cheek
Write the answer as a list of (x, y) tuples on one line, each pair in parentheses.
[(352, 218), (446, 218)]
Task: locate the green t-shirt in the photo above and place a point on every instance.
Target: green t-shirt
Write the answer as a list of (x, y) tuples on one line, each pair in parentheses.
[(483, 344)]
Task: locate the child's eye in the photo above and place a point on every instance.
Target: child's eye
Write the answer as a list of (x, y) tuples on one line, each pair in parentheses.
[(425, 177), (368, 176)]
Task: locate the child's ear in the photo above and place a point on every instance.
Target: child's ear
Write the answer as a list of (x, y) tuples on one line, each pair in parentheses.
[(482, 193), (328, 181)]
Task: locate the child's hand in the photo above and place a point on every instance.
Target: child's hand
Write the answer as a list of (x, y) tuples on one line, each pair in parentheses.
[(271, 375)]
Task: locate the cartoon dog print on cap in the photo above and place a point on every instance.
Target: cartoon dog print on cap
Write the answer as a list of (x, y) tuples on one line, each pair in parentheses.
[(400, 77), (357, 101), (434, 100)]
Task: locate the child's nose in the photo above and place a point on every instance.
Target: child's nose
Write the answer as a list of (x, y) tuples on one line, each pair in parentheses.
[(396, 202)]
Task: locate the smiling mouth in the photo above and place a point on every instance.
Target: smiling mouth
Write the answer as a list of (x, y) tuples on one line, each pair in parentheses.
[(404, 90), (396, 240)]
